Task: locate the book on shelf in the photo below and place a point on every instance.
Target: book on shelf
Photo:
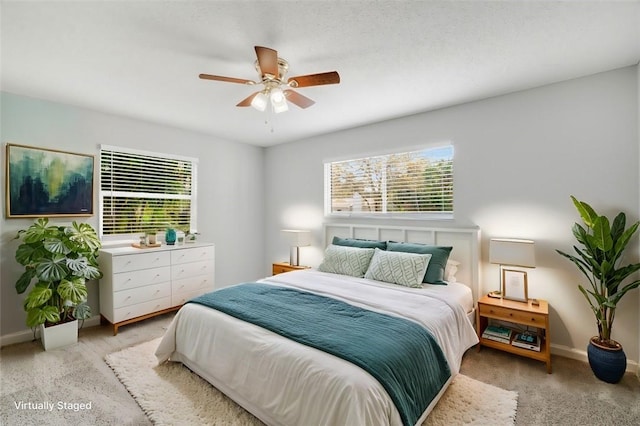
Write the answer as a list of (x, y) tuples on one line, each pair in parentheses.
[(527, 341), (496, 338), (497, 331)]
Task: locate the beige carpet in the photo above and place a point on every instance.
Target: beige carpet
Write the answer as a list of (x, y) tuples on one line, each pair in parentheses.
[(171, 394)]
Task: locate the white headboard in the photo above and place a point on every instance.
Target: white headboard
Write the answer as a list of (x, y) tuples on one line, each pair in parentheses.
[(465, 243)]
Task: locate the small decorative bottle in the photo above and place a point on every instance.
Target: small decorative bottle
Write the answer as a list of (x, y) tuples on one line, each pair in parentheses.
[(170, 236)]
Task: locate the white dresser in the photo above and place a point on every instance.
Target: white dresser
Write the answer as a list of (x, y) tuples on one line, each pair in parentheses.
[(141, 283)]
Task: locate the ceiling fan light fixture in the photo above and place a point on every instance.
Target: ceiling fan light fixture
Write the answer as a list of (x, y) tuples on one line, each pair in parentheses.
[(278, 100), (259, 101), (272, 72)]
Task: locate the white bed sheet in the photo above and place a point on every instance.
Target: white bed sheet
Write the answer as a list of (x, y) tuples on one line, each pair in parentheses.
[(285, 383), (455, 292)]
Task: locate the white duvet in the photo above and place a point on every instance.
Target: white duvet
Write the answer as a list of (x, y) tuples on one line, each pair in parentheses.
[(286, 383)]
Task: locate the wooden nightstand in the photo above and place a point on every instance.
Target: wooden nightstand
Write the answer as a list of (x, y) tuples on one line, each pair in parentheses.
[(522, 313), (281, 267)]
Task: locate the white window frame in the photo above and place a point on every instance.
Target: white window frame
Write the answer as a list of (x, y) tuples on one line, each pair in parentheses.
[(102, 194), (384, 214)]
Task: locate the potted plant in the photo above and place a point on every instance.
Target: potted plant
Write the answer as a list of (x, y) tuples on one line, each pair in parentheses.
[(58, 260), (599, 258)]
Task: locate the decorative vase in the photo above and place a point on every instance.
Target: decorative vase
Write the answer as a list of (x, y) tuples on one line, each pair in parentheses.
[(608, 364), (170, 236), (59, 335)]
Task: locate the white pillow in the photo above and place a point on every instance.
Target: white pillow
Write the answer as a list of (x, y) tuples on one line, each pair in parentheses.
[(396, 267), (451, 270), (345, 260)]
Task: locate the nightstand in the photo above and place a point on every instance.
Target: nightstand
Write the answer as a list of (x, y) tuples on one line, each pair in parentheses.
[(282, 267), (518, 313)]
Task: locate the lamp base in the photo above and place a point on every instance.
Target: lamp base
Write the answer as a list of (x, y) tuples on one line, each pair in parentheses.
[(294, 256)]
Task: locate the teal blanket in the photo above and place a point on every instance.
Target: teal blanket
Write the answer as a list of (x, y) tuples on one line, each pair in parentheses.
[(403, 356)]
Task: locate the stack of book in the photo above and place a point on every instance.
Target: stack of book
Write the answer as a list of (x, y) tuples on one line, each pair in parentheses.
[(497, 333), (527, 341)]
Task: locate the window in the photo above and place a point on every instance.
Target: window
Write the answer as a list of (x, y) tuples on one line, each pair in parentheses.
[(145, 192), (402, 184)]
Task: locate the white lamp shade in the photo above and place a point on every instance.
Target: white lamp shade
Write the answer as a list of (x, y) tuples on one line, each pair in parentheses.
[(278, 101), (297, 238), (512, 252), (259, 101)]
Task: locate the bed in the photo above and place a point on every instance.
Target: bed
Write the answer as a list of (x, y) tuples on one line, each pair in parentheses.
[(290, 381)]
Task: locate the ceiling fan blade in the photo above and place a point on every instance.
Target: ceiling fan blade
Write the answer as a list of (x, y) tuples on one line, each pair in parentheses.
[(331, 77), (227, 79), (247, 102), (268, 61), (297, 99)]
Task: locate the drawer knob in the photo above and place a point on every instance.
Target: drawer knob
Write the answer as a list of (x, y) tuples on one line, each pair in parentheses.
[(533, 320)]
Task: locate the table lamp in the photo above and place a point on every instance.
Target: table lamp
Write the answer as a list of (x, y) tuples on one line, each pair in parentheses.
[(511, 252), (297, 238)]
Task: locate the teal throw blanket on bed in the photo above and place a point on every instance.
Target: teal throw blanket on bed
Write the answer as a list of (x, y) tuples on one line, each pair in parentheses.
[(402, 355)]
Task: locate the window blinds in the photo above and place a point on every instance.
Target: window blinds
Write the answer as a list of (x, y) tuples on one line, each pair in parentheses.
[(400, 183), (145, 192)]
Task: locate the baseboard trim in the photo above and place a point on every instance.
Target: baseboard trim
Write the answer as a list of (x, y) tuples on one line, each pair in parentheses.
[(567, 352), (27, 335)]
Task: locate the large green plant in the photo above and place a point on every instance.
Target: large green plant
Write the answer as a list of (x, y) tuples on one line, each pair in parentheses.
[(58, 260), (602, 246)]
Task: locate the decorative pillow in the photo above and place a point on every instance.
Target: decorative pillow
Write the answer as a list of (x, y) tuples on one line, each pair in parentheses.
[(352, 261), (437, 264), (405, 269), (354, 242), (451, 270)]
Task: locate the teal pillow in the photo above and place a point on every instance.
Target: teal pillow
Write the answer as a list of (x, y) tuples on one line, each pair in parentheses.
[(406, 269), (351, 261), (354, 242), (437, 264)]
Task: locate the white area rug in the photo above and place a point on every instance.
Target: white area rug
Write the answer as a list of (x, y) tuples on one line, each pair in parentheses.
[(170, 394)]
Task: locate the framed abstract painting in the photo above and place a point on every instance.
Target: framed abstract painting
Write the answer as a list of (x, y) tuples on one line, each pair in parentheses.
[(47, 183)]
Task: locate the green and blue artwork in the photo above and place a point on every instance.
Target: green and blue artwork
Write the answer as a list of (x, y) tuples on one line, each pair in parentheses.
[(44, 182)]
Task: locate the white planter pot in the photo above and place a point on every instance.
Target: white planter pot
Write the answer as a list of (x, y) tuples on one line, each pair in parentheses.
[(59, 335)]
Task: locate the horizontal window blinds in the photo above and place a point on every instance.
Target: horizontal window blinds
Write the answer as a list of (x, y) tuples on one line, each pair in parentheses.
[(408, 182), (145, 192)]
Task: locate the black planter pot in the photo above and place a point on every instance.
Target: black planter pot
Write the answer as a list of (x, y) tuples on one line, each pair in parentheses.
[(607, 364)]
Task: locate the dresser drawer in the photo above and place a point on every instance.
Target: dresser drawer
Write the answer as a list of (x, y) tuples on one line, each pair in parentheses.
[(497, 312), (133, 262), (202, 283), (128, 312), (193, 269), (141, 294), (128, 280), (194, 254)]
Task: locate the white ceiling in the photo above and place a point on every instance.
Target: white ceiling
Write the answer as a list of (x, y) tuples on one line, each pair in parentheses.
[(142, 59)]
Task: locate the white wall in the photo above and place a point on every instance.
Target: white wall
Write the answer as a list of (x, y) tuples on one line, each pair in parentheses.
[(518, 158), (230, 206)]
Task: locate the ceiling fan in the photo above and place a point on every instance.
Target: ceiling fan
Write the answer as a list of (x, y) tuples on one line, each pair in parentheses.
[(277, 87)]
